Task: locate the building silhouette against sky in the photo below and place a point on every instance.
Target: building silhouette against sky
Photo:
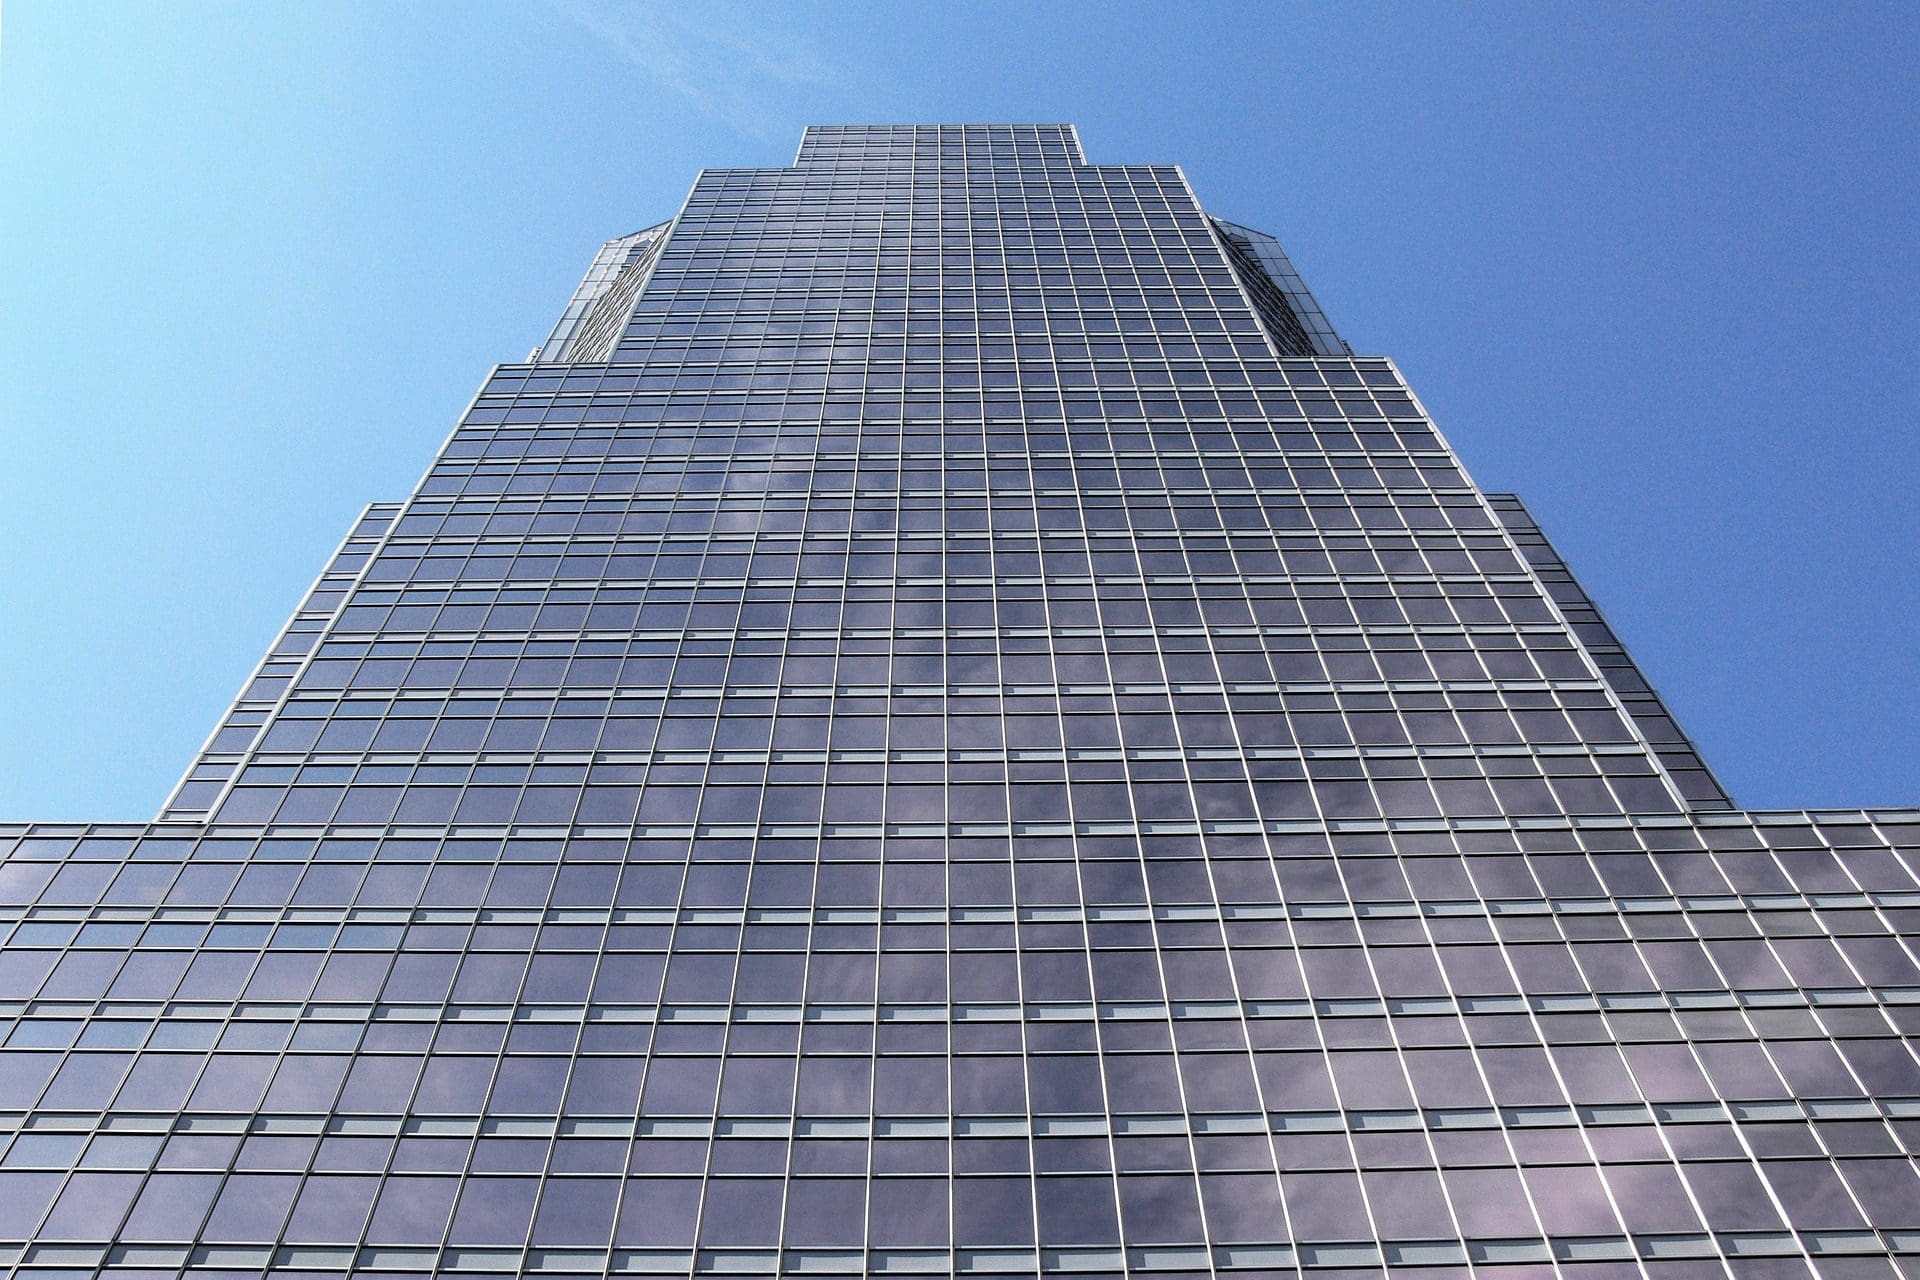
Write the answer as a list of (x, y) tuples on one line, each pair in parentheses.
[(945, 723)]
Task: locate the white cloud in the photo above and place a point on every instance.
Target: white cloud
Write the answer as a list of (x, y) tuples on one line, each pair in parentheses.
[(725, 62)]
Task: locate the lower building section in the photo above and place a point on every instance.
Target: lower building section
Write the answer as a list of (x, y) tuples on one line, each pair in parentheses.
[(1672, 1046)]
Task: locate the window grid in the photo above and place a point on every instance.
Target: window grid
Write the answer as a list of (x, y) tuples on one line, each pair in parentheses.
[(943, 754)]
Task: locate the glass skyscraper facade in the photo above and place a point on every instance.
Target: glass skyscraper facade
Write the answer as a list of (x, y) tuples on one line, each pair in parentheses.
[(944, 723)]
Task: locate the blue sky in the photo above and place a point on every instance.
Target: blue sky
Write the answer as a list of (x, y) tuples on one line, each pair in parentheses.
[(1652, 267)]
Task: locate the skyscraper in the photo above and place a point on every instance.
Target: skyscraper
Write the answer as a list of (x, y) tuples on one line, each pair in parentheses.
[(944, 723)]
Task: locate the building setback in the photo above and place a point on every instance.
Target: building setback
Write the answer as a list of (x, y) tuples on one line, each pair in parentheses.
[(945, 724)]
